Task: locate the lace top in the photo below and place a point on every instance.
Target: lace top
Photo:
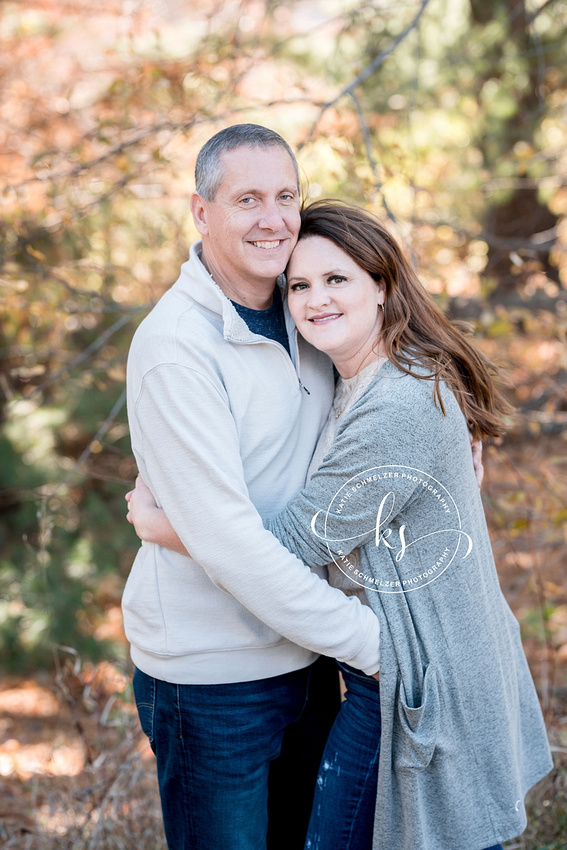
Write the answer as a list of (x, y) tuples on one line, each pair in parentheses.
[(347, 392)]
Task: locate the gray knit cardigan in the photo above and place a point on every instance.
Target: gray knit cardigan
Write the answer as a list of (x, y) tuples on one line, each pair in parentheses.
[(463, 737)]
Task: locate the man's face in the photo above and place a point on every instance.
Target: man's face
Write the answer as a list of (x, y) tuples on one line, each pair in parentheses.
[(251, 227)]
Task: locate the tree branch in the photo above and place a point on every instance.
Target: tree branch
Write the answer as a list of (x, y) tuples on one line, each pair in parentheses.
[(84, 355), (533, 16), (137, 138), (378, 185), (100, 434), (366, 72)]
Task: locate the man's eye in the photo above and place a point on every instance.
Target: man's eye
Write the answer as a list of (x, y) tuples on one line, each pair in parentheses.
[(287, 197), (246, 200)]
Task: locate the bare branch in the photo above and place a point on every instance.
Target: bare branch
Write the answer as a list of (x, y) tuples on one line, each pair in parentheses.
[(80, 168), (137, 138), (94, 346), (378, 61), (366, 72), (100, 434), (541, 241), (497, 183), (531, 18), (107, 304), (378, 185), (536, 243)]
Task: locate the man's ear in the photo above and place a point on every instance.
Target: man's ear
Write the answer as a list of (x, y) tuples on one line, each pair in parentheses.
[(199, 212)]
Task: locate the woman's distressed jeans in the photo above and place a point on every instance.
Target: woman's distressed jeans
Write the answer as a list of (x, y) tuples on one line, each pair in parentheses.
[(345, 794)]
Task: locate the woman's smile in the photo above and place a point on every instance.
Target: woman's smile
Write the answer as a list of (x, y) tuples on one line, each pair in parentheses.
[(325, 317), (336, 304)]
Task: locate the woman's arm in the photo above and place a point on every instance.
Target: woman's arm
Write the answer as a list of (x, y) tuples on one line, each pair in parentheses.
[(149, 521), (383, 451), (293, 526)]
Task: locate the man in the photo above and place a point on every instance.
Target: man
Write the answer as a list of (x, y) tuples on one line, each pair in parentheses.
[(225, 406)]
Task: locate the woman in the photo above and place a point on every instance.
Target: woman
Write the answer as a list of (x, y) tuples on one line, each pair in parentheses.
[(439, 754)]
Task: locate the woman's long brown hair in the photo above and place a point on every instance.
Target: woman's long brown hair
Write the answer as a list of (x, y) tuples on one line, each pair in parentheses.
[(415, 329)]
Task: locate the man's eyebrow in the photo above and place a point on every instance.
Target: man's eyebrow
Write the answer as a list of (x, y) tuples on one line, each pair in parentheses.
[(249, 191)]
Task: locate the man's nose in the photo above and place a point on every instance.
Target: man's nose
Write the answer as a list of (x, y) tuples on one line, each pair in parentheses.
[(272, 218)]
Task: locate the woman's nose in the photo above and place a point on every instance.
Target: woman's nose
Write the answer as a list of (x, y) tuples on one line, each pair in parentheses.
[(318, 296)]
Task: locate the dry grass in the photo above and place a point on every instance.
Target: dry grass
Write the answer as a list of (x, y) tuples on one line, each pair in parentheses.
[(92, 786), (79, 774)]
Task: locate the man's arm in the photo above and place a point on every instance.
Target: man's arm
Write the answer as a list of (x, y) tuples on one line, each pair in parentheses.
[(191, 461)]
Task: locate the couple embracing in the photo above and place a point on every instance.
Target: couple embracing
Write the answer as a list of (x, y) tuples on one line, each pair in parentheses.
[(308, 502)]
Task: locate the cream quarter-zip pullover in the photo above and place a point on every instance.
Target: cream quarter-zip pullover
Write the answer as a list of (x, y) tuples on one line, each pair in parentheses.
[(223, 425)]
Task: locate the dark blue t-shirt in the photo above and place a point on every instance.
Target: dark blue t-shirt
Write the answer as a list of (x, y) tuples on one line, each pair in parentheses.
[(269, 323)]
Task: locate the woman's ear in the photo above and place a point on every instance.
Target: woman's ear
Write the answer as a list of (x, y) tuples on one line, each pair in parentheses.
[(380, 283)]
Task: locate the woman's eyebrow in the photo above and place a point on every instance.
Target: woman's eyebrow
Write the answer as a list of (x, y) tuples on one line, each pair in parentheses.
[(325, 274)]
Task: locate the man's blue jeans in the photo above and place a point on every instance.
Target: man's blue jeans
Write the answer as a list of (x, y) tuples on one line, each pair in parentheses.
[(345, 795), (237, 763)]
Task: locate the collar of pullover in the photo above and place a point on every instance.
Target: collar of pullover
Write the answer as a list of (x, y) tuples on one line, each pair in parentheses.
[(198, 285)]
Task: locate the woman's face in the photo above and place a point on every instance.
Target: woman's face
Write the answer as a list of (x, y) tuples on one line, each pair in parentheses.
[(335, 304)]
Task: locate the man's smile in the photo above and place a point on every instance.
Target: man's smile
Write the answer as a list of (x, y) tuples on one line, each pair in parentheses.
[(267, 246)]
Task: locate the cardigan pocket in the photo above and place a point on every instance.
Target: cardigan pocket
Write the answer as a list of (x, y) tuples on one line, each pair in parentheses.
[(415, 737)]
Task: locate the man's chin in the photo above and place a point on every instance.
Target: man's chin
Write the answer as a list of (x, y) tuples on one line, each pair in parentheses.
[(269, 268)]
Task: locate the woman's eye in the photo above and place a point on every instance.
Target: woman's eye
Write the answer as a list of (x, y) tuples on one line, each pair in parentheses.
[(336, 278), (296, 287)]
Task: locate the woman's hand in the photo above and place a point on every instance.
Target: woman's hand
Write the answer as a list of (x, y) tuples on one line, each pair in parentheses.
[(476, 446), (150, 522), (142, 509)]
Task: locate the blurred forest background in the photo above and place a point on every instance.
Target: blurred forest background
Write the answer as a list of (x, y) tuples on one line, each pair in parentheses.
[(448, 117)]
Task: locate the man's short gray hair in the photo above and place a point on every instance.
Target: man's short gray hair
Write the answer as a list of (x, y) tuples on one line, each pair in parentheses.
[(209, 171)]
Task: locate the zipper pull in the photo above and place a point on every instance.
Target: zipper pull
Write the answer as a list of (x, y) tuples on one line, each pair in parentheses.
[(302, 387)]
